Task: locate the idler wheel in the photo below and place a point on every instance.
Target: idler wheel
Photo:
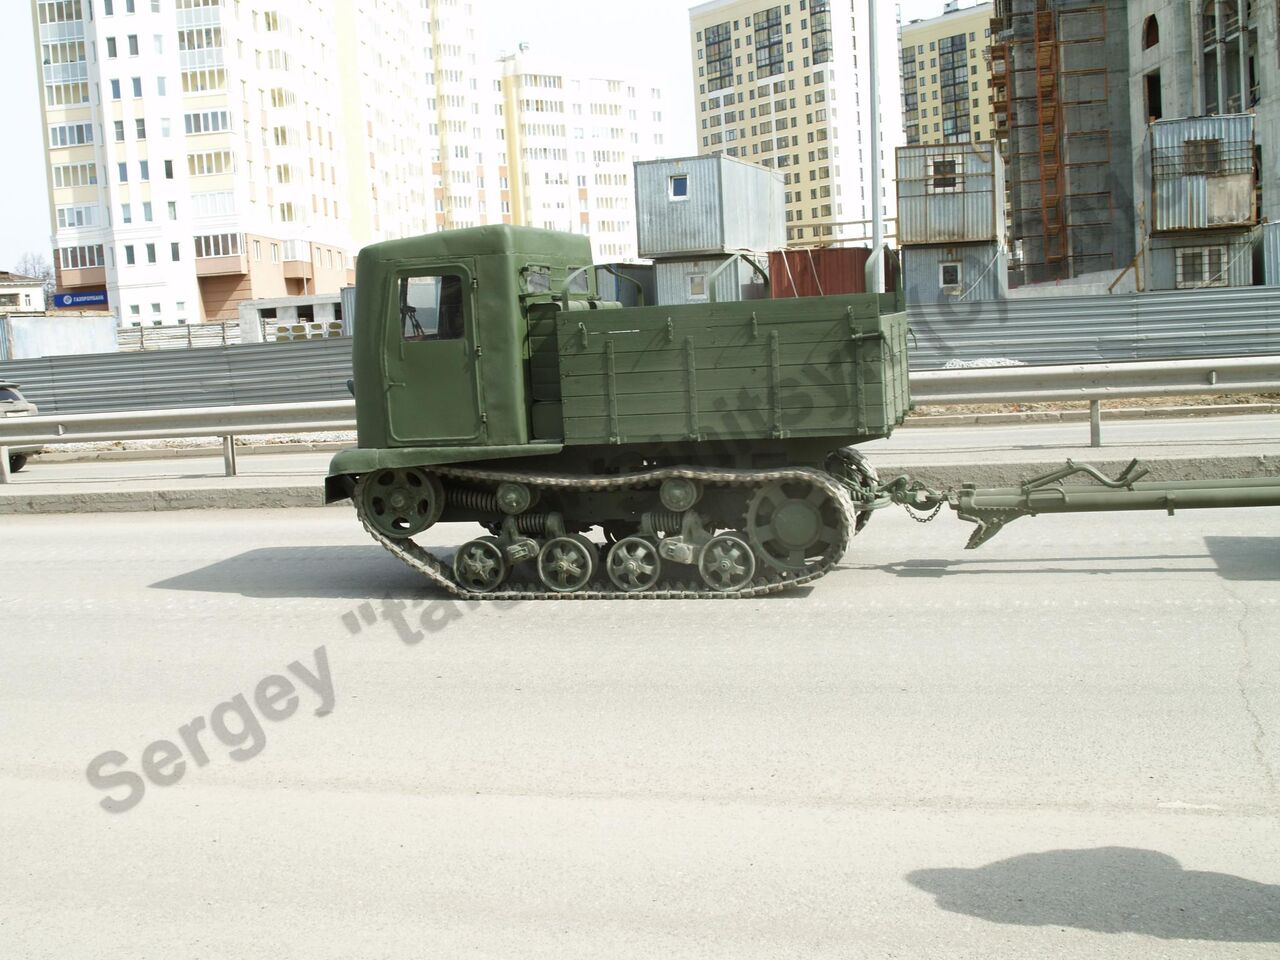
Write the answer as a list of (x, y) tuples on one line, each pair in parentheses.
[(480, 565), (401, 502), (727, 563), (633, 564), (791, 522), (567, 564)]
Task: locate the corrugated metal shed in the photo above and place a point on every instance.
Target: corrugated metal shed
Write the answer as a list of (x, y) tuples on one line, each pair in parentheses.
[(1270, 254), (701, 206), (1202, 173), (950, 193), (689, 281), (1217, 258), (982, 273)]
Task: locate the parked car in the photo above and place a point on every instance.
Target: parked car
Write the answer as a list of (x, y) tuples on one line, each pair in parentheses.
[(14, 404)]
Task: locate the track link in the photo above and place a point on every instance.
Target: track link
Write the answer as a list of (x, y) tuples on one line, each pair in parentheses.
[(439, 572)]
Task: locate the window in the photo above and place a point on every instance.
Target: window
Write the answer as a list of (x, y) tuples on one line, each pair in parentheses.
[(137, 87), (115, 89), (133, 44), (144, 169), (949, 274), (174, 250), (432, 308), (111, 48), (679, 187), (697, 286), (1150, 32), (141, 128), (943, 175), (1155, 99), (173, 210), (119, 127), (146, 211), (151, 253), (168, 169), (218, 245), (123, 171), (1202, 267), (128, 254)]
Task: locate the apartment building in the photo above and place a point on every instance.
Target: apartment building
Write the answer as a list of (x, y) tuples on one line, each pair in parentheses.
[(194, 155), (202, 153), (569, 146), (788, 86), (946, 76)]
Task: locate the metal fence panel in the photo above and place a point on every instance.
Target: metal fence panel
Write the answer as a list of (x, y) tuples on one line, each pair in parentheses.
[(1177, 325), (1180, 325)]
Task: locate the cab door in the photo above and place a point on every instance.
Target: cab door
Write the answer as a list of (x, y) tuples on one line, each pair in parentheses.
[(434, 393)]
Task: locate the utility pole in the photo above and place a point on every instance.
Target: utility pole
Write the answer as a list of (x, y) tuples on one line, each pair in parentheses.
[(875, 263)]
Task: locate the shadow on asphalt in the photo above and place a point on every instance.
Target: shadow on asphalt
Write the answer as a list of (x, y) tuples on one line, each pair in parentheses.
[(1255, 559), (330, 572), (337, 572), (1110, 890)]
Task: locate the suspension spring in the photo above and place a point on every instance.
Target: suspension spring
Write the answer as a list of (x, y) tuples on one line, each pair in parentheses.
[(530, 523), (665, 521), (482, 501)]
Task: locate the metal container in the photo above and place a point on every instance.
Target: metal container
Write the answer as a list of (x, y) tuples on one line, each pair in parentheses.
[(1201, 261), (950, 193), (819, 273), (955, 274), (1269, 260), (701, 206), (691, 281), (1202, 174)]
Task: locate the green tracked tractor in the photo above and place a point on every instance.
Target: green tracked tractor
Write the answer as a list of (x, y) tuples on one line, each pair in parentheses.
[(711, 443), (710, 449)]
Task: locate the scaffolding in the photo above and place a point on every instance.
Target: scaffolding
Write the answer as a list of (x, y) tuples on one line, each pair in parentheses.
[(1051, 74)]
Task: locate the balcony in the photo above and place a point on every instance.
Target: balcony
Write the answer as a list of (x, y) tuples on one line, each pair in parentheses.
[(222, 266), (298, 270), (72, 279)]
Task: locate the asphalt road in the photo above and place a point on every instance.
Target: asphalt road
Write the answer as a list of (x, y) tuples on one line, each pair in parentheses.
[(1065, 745)]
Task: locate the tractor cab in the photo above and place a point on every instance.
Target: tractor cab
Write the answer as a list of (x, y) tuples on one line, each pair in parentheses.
[(443, 352)]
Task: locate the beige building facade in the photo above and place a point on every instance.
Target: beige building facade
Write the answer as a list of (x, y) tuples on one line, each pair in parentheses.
[(946, 76), (569, 146), (788, 86)]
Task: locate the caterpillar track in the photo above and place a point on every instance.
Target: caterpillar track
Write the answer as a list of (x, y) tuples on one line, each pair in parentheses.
[(678, 580)]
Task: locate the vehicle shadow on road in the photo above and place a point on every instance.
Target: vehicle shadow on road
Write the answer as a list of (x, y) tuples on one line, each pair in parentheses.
[(1253, 559), (341, 573), (329, 572), (1110, 890)]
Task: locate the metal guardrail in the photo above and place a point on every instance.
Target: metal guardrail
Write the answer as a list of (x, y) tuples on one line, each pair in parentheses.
[(1092, 382)]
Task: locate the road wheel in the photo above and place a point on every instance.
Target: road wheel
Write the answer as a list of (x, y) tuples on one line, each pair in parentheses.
[(17, 461)]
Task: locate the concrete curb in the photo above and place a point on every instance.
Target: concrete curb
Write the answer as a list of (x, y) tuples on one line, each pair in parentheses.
[(261, 497)]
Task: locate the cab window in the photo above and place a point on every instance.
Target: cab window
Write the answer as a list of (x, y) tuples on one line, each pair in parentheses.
[(431, 308)]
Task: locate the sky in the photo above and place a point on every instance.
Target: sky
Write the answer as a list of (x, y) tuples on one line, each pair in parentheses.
[(602, 38)]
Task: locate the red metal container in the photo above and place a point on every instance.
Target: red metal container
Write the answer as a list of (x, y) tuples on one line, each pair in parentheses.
[(821, 272)]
